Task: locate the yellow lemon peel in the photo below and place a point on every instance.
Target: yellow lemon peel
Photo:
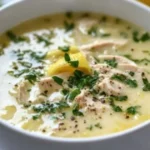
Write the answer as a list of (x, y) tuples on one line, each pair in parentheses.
[(62, 66)]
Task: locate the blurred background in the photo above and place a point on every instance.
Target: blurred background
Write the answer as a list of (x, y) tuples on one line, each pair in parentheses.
[(147, 2)]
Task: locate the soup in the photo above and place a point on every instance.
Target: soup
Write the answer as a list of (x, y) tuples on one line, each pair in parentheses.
[(80, 75)]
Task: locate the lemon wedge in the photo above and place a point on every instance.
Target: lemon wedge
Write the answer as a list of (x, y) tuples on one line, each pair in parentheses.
[(58, 53), (62, 66)]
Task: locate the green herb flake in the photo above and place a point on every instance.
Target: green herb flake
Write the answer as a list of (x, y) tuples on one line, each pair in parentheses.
[(98, 125), (74, 64), (131, 73), (124, 79), (58, 80), (119, 98), (69, 26), (15, 38), (93, 31), (67, 57), (113, 63), (76, 111), (90, 128), (146, 84), (117, 108), (64, 48), (35, 117), (132, 110), (73, 94), (41, 39)]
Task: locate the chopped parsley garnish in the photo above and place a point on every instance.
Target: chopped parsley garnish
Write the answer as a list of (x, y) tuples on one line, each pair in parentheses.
[(131, 73), (119, 98), (98, 125), (64, 48), (58, 80), (81, 80), (93, 31), (113, 63), (67, 57), (65, 91), (114, 106), (38, 56), (132, 110), (146, 84), (15, 38), (73, 94), (74, 64), (33, 76), (90, 128), (25, 64), (35, 117), (124, 79), (41, 39), (143, 38), (68, 26), (144, 60), (76, 111), (117, 108), (46, 107)]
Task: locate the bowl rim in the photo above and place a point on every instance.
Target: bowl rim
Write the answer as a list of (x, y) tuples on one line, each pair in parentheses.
[(40, 136)]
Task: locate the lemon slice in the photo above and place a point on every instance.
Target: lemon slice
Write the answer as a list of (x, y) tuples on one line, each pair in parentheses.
[(58, 53), (62, 66)]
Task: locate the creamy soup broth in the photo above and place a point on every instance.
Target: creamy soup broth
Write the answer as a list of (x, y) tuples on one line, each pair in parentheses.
[(75, 75)]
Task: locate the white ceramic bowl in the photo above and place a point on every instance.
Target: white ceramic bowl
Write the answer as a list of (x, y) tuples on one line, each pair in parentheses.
[(12, 138)]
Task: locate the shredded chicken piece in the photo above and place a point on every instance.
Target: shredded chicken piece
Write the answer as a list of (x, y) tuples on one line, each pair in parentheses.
[(48, 85), (22, 93), (119, 59), (111, 87), (103, 43)]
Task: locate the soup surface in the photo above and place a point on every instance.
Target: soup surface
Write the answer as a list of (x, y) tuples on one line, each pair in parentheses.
[(75, 75)]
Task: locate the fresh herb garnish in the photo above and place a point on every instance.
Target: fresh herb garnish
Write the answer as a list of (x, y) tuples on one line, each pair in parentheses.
[(80, 80), (119, 98), (74, 64), (131, 73), (33, 76), (98, 125), (46, 107), (144, 60), (93, 31), (117, 108), (67, 57), (132, 110), (124, 79), (146, 84), (58, 80), (68, 26), (114, 106), (41, 39), (64, 48), (113, 63), (38, 56), (15, 38), (144, 37), (76, 111), (73, 94), (90, 128)]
